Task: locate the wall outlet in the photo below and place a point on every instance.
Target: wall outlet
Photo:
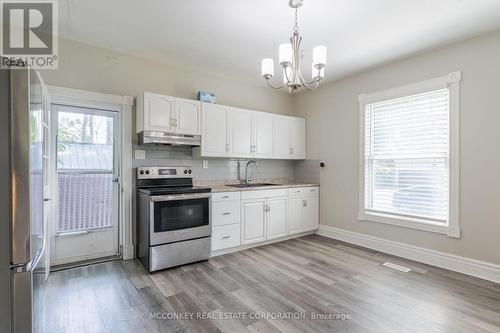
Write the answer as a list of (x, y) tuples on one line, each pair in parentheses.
[(204, 164), (140, 154), (322, 164)]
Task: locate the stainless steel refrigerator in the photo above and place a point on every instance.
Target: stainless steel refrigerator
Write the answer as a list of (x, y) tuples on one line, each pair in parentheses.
[(23, 199)]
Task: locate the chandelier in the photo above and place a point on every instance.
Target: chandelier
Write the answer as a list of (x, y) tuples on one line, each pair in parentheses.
[(290, 58)]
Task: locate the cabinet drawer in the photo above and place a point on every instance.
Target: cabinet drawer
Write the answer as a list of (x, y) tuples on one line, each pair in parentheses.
[(262, 194), (225, 212), (300, 191), (225, 236), (226, 196)]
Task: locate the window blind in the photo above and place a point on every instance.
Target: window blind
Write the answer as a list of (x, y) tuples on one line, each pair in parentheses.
[(407, 156)]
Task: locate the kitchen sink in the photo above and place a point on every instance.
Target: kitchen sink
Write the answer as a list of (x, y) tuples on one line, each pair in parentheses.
[(252, 185)]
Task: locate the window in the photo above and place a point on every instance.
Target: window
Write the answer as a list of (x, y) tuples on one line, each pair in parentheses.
[(409, 169)]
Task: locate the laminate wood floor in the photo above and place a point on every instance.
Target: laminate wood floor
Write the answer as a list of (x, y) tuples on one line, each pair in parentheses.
[(282, 287)]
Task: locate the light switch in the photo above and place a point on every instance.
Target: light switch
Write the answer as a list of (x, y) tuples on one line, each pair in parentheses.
[(204, 164), (140, 154)]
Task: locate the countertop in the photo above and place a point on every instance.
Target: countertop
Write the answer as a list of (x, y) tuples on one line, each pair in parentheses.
[(222, 187)]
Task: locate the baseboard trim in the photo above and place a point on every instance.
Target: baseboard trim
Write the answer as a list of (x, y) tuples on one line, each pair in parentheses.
[(476, 268)]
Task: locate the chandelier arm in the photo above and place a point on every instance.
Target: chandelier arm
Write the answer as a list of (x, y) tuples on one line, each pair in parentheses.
[(274, 87), (307, 85), (286, 74)]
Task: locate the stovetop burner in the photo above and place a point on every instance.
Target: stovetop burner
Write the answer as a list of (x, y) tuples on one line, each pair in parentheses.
[(167, 181), (174, 190)]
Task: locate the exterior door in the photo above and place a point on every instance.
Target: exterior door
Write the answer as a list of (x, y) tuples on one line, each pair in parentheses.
[(85, 183)]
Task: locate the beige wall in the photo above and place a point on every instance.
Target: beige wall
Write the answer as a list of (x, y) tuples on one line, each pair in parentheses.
[(332, 114), (83, 66)]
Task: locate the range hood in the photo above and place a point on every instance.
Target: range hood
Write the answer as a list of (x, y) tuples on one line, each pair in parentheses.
[(173, 139)]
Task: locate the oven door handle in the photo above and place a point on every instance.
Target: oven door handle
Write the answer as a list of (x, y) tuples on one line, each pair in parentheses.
[(175, 197)]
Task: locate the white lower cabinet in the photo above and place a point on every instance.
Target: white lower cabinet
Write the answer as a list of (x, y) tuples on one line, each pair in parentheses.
[(225, 236), (304, 206), (277, 217), (252, 217)]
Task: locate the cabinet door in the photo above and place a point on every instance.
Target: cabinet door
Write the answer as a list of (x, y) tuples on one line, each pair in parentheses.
[(297, 214), (282, 137), (240, 129), (263, 135), (253, 221), (214, 130), (187, 116), (298, 138), (277, 215), (311, 220), (159, 112)]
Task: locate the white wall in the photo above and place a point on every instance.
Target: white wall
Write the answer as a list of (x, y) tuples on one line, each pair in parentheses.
[(332, 114), (83, 66)]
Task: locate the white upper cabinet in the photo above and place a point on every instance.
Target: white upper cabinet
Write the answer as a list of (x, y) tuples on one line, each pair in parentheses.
[(214, 124), (187, 116), (289, 137), (158, 113), (298, 132), (282, 137), (162, 113), (240, 129), (263, 135)]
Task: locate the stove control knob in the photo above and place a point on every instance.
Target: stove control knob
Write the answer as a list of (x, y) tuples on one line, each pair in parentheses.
[(185, 171), (142, 172), (190, 171), (147, 172)]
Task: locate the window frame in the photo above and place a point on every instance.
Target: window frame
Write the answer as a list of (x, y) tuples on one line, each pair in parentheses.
[(452, 83)]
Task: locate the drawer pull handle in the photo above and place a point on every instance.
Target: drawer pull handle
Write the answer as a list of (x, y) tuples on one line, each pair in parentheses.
[(225, 196), (226, 213), (226, 237)]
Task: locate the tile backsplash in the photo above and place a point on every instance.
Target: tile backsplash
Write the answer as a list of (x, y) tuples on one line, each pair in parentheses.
[(218, 169)]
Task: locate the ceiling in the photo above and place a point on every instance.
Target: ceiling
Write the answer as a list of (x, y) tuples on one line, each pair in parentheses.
[(230, 37)]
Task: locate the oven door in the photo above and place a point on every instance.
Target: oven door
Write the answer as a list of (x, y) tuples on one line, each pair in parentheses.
[(179, 217)]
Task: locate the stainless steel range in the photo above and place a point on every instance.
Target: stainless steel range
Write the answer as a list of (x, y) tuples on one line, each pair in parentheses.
[(173, 218)]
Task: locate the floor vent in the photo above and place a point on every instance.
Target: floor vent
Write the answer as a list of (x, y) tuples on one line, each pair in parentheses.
[(396, 267)]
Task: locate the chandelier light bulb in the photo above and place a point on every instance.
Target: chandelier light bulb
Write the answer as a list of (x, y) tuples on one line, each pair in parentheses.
[(285, 54), (319, 56), (267, 68)]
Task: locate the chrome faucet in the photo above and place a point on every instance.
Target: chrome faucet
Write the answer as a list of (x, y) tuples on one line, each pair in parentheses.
[(247, 178)]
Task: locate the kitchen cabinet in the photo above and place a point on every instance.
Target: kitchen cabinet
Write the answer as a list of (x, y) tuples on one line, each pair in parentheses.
[(253, 219), (264, 215), (187, 116), (241, 133), (277, 217), (263, 134), (163, 113), (215, 136), (303, 210), (289, 138), (225, 217)]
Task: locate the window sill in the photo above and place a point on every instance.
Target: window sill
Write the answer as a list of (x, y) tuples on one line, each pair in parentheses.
[(411, 223)]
